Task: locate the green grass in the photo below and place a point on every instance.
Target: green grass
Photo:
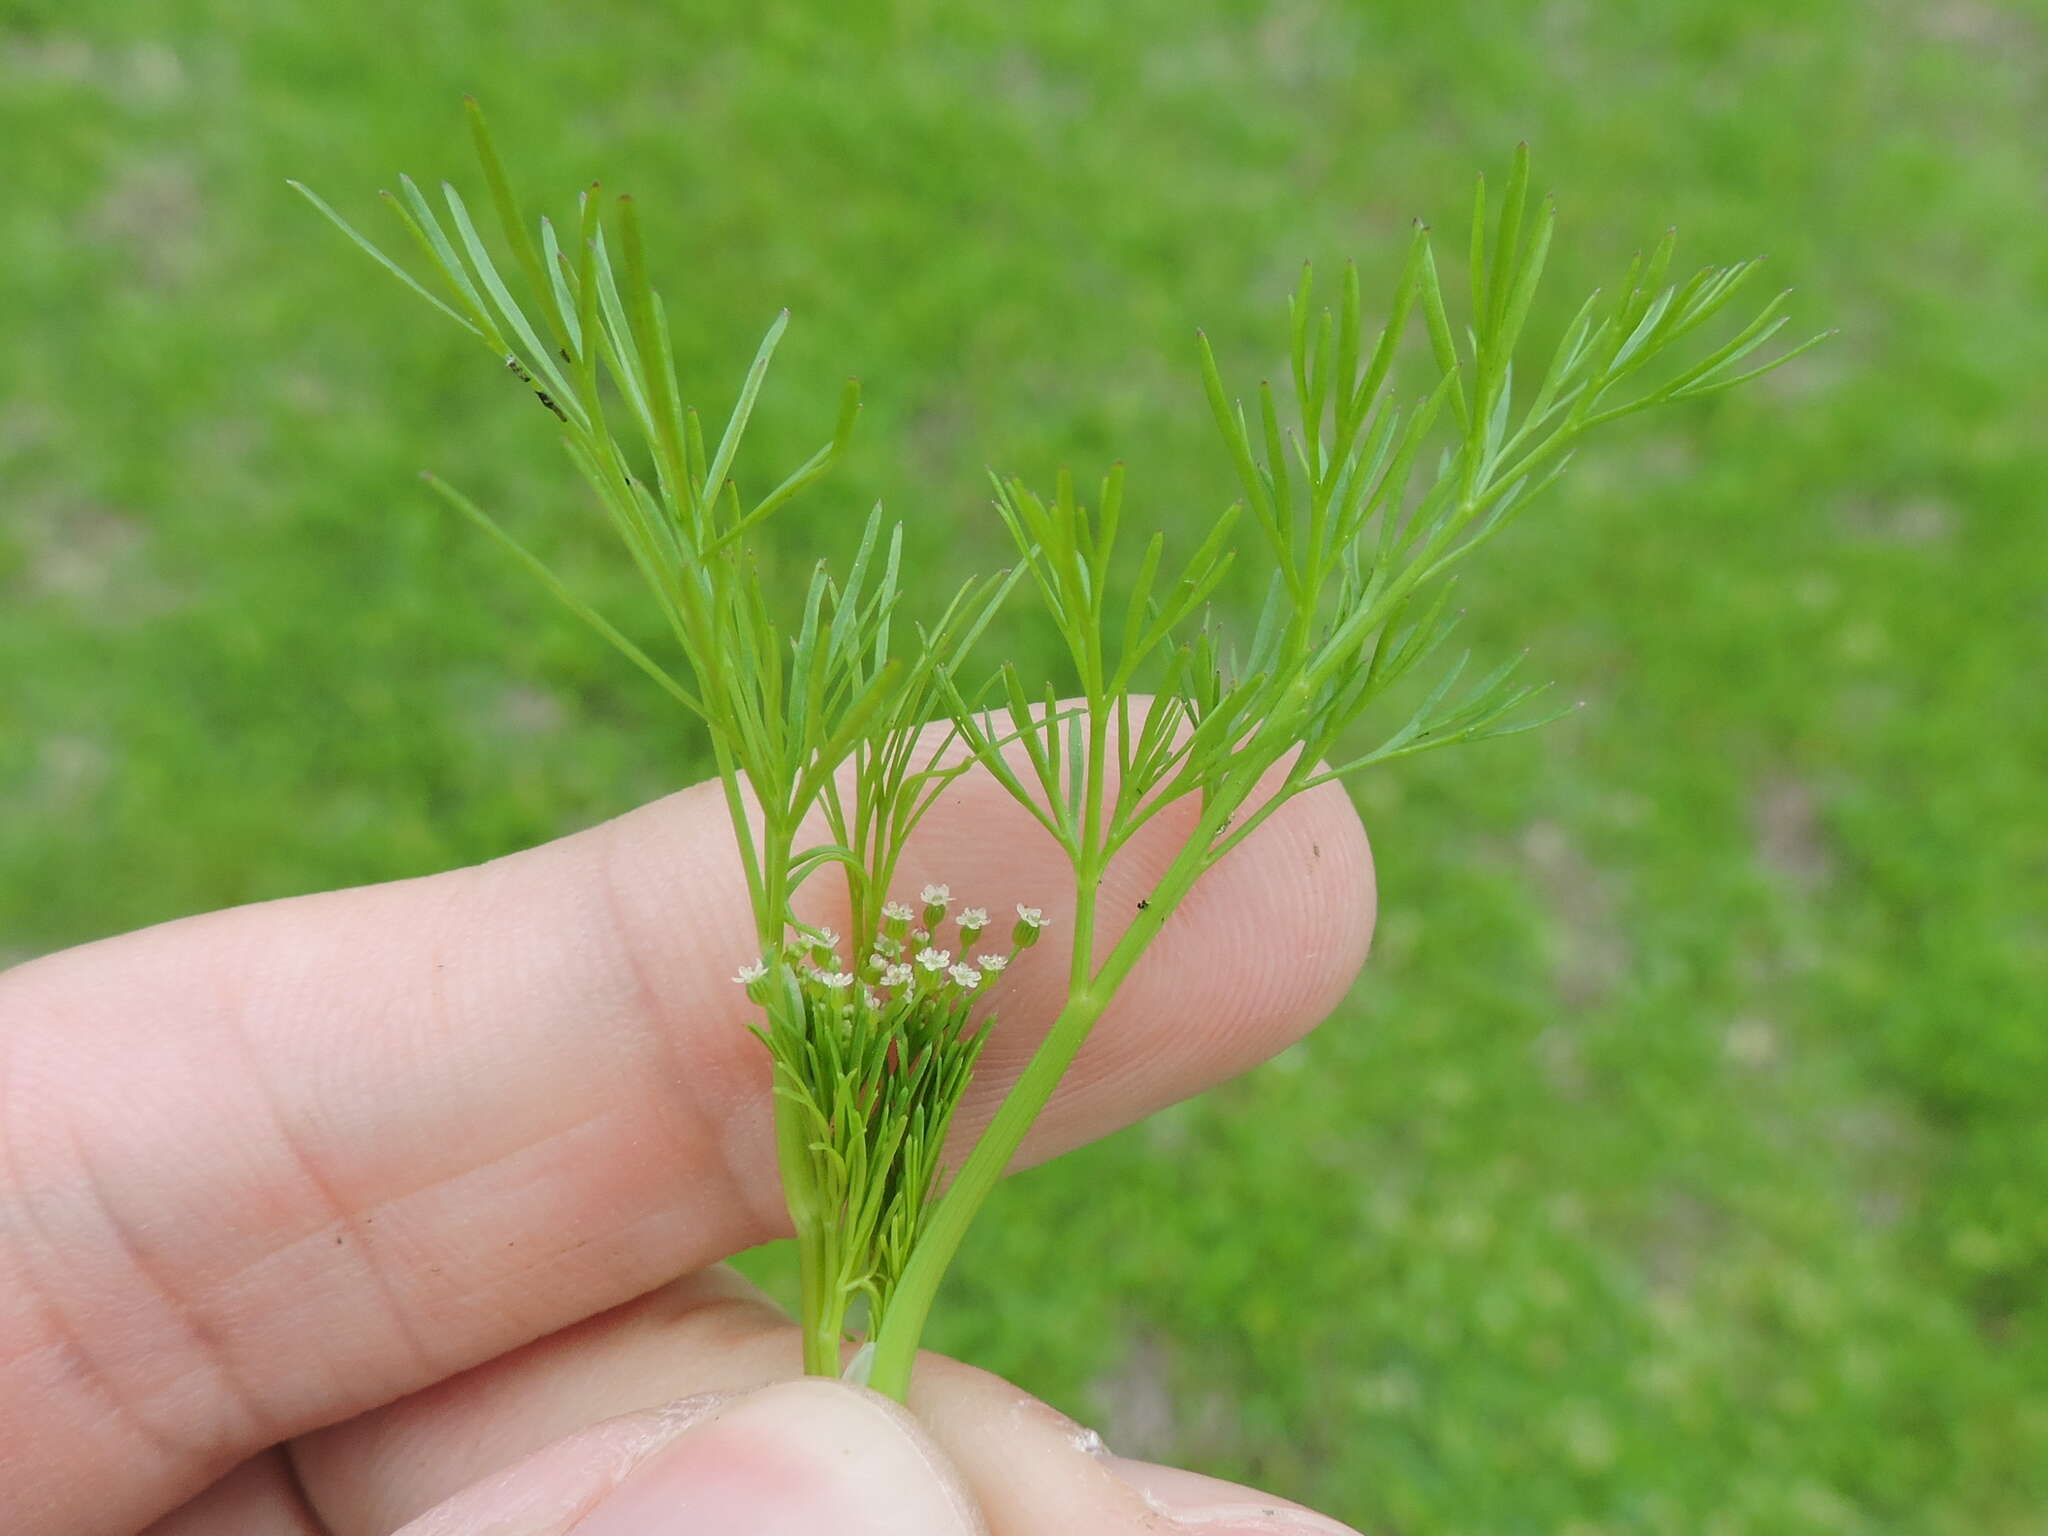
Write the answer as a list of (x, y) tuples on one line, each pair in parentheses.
[(1678, 1164)]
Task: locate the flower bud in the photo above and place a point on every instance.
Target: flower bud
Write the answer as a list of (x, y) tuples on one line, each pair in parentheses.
[(754, 977), (972, 921), (1030, 922), (896, 920)]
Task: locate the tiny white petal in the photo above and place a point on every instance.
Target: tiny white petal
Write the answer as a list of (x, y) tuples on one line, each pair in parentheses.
[(751, 972)]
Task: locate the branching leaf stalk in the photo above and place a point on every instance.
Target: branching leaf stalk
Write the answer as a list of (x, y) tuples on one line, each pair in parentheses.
[(1362, 486)]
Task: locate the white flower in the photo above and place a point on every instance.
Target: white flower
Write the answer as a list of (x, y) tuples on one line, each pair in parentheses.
[(897, 912), (867, 995), (897, 975), (974, 917), (966, 975), (1030, 920), (935, 895), (750, 973), (994, 963), (934, 960), (835, 980)]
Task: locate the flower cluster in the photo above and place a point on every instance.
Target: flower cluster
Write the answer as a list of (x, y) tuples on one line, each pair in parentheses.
[(910, 960)]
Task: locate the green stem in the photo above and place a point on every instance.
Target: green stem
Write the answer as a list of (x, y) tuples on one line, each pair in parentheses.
[(824, 1328), (822, 1300), (814, 1270), (910, 1304)]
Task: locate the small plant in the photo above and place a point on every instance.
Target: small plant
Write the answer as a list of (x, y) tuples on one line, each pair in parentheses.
[(1363, 497)]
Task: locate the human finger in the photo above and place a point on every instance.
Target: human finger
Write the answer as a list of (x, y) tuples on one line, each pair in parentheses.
[(268, 1168), (790, 1459), (1031, 1471)]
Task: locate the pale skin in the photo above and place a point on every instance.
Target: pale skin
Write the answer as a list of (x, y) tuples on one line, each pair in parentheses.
[(404, 1207)]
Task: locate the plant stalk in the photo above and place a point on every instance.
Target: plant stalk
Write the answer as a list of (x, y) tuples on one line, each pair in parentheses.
[(896, 1341)]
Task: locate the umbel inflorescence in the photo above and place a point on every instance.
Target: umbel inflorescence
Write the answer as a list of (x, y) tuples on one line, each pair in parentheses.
[(1360, 489), (873, 1048)]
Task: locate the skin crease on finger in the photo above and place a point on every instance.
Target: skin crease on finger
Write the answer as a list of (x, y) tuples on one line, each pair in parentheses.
[(247, 1211)]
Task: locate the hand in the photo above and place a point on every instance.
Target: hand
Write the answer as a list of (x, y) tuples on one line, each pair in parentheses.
[(316, 1213)]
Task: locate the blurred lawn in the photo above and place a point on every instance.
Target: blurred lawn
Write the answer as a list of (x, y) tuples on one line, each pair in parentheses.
[(1678, 1166)]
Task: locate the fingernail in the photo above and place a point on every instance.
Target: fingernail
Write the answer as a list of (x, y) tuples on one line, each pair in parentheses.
[(1213, 1507), (791, 1460)]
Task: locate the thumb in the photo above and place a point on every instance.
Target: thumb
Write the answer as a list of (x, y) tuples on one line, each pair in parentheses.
[(797, 1457)]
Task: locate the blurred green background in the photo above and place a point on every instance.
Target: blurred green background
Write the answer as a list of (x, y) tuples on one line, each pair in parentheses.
[(1678, 1164)]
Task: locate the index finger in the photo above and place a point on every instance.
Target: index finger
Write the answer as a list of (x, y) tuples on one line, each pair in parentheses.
[(265, 1169)]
